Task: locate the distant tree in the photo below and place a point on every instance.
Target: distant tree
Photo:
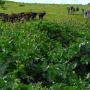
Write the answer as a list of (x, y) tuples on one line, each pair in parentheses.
[(21, 4), (2, 2)]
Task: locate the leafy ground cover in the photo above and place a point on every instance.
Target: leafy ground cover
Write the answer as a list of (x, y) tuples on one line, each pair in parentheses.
[(39, 55)]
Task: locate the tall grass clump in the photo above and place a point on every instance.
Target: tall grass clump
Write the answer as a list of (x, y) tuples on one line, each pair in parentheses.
[(39, 55)]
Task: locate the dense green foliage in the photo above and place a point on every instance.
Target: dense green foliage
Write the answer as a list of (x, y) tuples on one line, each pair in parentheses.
[(34, 55), (2, 2)]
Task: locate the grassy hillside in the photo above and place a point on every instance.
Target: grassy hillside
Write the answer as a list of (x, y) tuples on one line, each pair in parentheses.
[(54, 12)]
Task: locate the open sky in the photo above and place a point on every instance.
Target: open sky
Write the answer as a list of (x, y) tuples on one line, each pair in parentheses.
[(55, 1)]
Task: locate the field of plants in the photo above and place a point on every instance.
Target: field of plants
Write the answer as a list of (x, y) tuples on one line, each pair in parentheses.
[(49, 54)]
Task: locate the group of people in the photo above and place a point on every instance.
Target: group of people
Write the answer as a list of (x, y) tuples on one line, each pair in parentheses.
[(86, 13), (21, 16), (72, 9)]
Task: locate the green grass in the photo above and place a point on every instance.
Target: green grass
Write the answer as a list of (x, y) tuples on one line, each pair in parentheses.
[(55, 12)]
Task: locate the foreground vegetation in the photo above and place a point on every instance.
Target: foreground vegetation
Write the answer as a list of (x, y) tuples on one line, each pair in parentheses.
[(35, 55)]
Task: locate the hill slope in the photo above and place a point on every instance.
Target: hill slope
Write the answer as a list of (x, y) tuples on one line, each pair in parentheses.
[(54, 12)]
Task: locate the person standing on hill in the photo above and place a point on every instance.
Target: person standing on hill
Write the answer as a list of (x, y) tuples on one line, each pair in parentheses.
[(85, 13), (82, 11), (68, 9)]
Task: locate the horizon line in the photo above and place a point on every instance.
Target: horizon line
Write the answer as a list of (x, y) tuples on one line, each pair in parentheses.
[(48, 3)]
